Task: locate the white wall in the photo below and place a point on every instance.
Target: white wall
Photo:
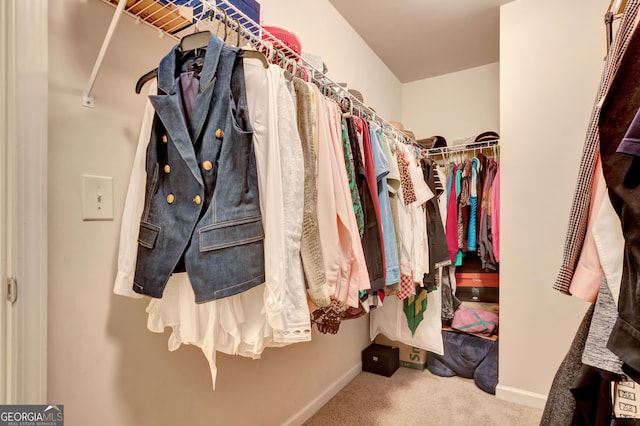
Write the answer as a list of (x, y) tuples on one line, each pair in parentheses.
[(323, 31), (456, 105), (551, 60), (103, 363)]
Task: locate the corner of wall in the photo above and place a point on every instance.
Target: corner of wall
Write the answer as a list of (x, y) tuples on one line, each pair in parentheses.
[(312, 407), (521, 396)]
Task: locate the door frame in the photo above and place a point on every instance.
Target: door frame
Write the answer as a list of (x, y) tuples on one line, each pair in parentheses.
[(23, 199), (6, 218)]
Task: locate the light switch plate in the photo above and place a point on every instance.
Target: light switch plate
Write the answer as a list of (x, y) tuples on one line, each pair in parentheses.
[(97, 198)]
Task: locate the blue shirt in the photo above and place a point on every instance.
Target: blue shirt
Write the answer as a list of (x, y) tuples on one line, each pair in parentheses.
[(388, 230)]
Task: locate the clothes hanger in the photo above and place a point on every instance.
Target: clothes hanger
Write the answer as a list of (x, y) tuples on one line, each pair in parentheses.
[(223, 19), (307, 73), (189, 43), (271, 50), (333, 94), (327, 88), (323, 86), (146, 78), (247, 53), (195, 41), (616, 8), (199, 40), (302, 72), (294, 66), (237, 29), (347, 107), (281, 61), (297, 69), (285, 66), (254, 54)]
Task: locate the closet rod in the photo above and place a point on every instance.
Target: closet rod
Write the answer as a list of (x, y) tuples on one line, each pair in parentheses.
[(178, 18), (264, 41), (462, 148)]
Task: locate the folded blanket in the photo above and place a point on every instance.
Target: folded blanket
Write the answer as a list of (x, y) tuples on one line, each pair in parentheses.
[(477, 321)]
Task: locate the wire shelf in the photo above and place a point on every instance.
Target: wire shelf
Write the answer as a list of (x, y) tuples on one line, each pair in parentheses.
[(177, 18), (463, 148)]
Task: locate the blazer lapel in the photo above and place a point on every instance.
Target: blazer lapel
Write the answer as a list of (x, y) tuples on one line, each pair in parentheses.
[(168, 109), (207, 84)]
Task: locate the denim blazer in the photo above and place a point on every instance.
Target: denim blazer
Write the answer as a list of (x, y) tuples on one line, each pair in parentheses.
[(202, 211)]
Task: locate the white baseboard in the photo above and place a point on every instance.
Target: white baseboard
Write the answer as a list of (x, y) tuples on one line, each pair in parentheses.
[(520, 396), (310, 409)]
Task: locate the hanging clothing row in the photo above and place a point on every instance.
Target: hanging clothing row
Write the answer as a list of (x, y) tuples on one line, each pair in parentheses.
[(473, 206), (472, 213), (249, 186), (600, 263)]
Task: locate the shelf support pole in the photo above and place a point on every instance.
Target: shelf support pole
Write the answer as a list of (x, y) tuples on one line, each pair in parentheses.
[(87, 94)]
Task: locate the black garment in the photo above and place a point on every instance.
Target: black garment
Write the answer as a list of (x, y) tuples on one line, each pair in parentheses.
[(482, 168), (464, 204), (450, 303), (371, 243), (438, 249), (561, 405), (622, 174), (485, 243), (592, 391)]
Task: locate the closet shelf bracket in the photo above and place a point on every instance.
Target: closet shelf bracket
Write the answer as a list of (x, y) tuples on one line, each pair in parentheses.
[(87, 94)]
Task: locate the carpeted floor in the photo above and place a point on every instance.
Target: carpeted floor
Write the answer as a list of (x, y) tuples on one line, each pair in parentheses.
[(419, 398)]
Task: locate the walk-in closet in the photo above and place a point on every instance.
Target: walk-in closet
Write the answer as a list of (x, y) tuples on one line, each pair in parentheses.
[(322, 212)]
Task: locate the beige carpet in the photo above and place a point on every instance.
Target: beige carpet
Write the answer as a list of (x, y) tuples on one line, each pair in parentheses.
[(412, 397)]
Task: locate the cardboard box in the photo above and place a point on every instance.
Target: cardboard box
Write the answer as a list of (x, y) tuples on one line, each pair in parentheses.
[(410, 356)]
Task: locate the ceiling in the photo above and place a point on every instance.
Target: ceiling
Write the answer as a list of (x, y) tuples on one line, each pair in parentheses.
[(418, 39)]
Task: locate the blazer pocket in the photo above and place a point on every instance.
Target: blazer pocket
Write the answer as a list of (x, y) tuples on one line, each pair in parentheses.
[(148, 235), (229, 234)]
